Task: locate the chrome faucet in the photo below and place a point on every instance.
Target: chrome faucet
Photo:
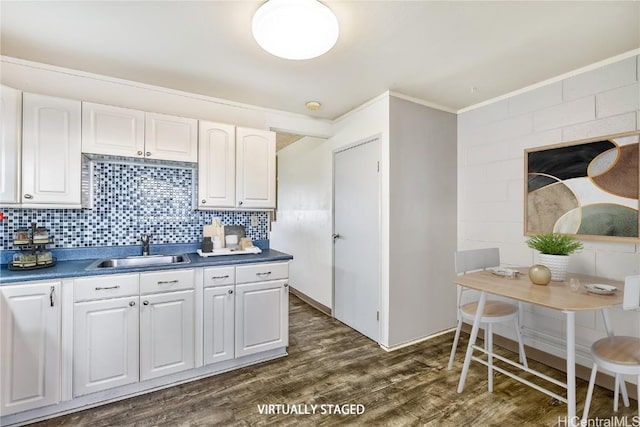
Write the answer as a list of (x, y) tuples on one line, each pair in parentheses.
[(145, 244)]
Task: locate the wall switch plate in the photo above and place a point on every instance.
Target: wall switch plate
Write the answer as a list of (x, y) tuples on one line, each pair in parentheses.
[(254, 220)]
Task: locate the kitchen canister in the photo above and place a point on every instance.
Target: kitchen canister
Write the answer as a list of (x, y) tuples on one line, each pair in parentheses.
[(217, 243), (207, 244), (231, 241)]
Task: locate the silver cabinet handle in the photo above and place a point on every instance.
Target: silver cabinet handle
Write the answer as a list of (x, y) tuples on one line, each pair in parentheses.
[(145, 302), (286, 285), (51, 293), (132, 304), (139, 153), (240, 203), (336, 236), (221, 277), (230, 291), (203, 201), (28, 196), (263, 274), (148, 153), (99, 288), (167, 282)]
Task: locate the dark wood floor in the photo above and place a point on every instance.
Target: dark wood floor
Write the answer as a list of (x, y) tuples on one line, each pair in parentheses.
[(330, 364)]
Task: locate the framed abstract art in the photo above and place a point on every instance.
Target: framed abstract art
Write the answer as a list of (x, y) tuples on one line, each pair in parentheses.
[(588, 188)]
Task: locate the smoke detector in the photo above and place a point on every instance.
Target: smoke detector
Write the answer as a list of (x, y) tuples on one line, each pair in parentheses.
[(313, 105)]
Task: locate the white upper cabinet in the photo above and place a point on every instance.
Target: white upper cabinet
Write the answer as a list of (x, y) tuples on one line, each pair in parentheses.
[(112, 130), (10, 144), (126, 132), (216, 165), (171, 138), (236, 167), (255, 168), (51, 151), (30, 340)]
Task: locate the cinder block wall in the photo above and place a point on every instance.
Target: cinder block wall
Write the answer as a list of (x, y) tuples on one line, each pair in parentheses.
[(491, 144)]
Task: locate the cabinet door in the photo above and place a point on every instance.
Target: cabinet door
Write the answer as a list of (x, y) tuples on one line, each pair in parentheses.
[(51, 159), (29, 346), (255, 168), (112, 130), (219, 310), (105, 344), (171, 138), (262, 316), (216, 165), (10, 136), (166, 334)]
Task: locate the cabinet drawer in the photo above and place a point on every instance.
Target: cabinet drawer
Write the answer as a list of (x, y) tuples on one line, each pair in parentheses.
[(166, 281), (219, 276), (108, 286), (262, 272)]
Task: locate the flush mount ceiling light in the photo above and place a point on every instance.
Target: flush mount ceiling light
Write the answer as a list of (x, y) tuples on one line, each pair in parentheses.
[(295, 29)]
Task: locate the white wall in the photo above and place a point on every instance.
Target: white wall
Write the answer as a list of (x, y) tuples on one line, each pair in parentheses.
[(491, 144), (422, 221), (304, 216), (55, 81)]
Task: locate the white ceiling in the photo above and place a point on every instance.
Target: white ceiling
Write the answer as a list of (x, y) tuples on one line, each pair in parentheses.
[(434, 51)]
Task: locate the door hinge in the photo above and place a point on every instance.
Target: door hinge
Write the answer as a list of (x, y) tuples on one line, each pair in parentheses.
[(378, 166), (378, 316)]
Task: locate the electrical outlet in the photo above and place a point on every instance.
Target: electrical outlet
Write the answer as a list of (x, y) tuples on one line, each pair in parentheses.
[(254, 220)]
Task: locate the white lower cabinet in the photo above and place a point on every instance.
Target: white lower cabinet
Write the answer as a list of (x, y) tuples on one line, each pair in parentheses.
[(262, 316), (166, 334), (105, 344), (219, 308), (29, 346), (105, 332), (132, 327)]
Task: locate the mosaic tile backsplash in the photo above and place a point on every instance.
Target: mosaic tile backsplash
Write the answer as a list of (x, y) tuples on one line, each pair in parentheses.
[(129, 200)]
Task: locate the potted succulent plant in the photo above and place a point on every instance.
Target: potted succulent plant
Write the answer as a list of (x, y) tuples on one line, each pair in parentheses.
[(554, 251)]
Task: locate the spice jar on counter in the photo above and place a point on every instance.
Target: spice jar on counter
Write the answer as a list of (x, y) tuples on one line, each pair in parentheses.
[(40, 236), (21, 237)]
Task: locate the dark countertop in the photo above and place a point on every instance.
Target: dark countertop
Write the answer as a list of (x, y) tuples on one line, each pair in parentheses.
[(77, 268)]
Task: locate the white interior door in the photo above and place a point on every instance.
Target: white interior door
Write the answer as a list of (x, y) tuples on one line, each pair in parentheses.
[(356, 263)]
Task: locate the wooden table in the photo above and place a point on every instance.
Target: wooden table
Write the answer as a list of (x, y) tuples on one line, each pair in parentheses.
[(556, 296)]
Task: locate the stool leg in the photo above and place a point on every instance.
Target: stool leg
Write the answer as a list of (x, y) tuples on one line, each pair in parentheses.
[(455, 344), (489, 348), (623, 390), (616, 393), (587, 403), (638, 382), (523, 356)]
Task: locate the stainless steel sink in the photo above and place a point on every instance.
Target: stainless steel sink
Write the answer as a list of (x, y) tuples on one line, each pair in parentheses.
[(140, 261)]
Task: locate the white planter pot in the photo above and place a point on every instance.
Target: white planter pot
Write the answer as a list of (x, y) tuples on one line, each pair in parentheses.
[(557, 264)]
